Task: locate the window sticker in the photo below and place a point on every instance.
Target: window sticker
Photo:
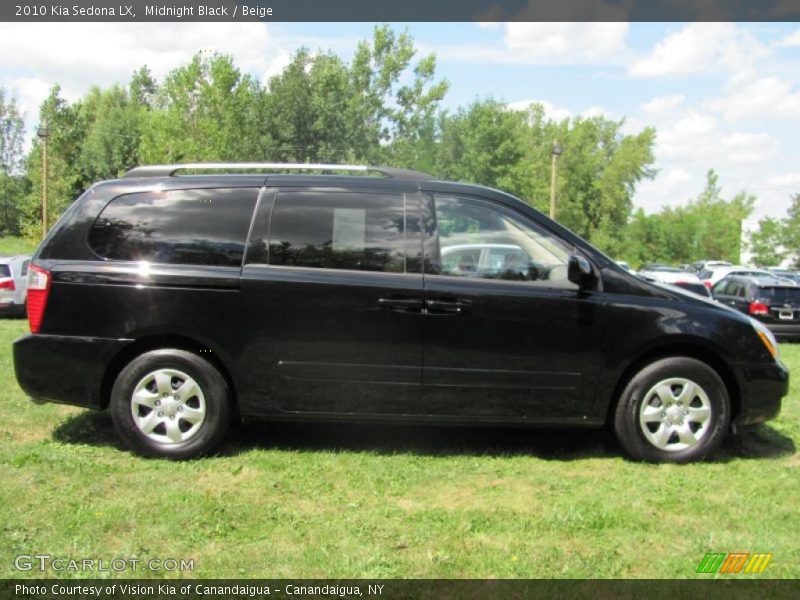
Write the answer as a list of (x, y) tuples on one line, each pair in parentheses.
[(349, 226)]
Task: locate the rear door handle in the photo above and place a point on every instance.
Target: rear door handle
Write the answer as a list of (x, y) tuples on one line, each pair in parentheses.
[(454, 306)]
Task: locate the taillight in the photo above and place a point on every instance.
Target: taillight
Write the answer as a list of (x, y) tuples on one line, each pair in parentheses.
[(758, 308), (38, 290), (8, 284)]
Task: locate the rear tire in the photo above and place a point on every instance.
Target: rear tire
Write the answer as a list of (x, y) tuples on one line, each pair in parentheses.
[(171, 403), (674, 410)]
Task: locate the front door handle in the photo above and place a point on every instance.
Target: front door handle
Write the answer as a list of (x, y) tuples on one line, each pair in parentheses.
[(413, 305), (454, 306)]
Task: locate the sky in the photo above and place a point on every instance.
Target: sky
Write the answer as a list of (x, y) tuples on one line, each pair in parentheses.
[(720, 95)]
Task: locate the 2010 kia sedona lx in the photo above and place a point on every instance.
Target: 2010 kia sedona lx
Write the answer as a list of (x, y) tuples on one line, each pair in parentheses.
[(179, 301)]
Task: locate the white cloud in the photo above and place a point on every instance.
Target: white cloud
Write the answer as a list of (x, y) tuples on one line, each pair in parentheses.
[(701, 47), (662, 104), (789, 41), (543, 43), (77, 55), (749, 148), (566, 42), (551, 111), (787, 180), (559, 113), (762, 98)]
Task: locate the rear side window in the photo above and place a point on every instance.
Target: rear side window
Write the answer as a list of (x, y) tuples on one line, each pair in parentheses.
[(780, 295), (25, 266), (338, 230), (189, 227)]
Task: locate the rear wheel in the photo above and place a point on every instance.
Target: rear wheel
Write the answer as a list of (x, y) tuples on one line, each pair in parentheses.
[(171, 403), (674, 410)]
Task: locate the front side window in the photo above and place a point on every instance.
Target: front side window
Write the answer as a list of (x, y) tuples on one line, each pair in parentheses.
[(190, 227), (338, 230), (478, 239)]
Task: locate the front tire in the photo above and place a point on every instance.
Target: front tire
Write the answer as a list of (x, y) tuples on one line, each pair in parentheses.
[(171, 403), (675, 410)]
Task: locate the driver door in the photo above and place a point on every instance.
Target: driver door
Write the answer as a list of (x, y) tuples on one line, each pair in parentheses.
[(509, 336)]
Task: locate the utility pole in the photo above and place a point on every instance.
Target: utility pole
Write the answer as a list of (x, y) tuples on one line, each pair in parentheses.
[(43, 134), (554, 178)]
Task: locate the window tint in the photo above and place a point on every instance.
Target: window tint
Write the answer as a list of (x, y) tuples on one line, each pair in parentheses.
[(337, 230), (780, 295), (477, 239), (5, 271), (25, 265), (191, 227)]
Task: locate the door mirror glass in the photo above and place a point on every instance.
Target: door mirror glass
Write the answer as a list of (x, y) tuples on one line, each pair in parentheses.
[(579, 271)]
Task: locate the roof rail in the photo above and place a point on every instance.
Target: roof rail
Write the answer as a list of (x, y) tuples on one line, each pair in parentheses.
[(171, 170)]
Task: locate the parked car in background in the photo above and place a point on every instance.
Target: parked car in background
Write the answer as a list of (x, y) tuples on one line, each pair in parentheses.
[(626, 266), (711, 275), (675, 276), (13, 284), (774, 303), (181, 301), (786, 273), (699, 265)]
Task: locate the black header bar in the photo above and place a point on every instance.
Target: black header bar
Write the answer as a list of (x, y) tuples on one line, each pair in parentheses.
[(398, 10)]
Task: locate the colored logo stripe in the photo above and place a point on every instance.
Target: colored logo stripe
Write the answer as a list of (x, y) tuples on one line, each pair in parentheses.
[(711, 562), (734, 562)]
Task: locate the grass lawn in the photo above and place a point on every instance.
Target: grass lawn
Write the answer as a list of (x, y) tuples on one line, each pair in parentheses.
[(365, 501), (11, 246)]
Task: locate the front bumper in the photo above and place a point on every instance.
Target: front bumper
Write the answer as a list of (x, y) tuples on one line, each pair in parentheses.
[(64, 369), (762, 388), (785, 331)]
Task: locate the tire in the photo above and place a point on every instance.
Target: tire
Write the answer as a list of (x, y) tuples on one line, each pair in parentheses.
[(660, 418), (171, 404)]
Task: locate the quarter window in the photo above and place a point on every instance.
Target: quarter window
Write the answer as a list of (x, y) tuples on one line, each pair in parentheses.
[(477, 239), (338, 230), (191, 227)]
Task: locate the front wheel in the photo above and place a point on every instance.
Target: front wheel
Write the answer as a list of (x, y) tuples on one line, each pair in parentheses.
[(675, 409), (170, 403)]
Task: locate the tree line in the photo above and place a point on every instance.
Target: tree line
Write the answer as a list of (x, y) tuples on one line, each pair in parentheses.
[(384, 106)]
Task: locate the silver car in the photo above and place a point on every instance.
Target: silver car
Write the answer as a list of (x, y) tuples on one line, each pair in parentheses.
[(13, 284)]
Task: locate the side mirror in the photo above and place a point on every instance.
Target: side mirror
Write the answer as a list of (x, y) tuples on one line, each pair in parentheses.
[(580, 271)]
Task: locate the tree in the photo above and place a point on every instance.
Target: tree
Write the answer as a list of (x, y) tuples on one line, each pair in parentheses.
[(790, 234), (706, 227), (489, 144), (204, 111), (65, 179), (323, 109), (12, 182), (766, 243)]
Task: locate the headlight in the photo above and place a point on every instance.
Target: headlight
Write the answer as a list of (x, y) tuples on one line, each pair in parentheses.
[(766, 337)]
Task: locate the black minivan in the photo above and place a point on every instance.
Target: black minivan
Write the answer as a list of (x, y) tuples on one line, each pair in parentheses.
[(183, 301)]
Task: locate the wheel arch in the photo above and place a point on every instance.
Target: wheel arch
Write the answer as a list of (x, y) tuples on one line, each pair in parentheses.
[(684, 348), (157, 342)]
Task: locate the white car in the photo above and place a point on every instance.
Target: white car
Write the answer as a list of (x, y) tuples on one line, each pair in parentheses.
[(13, 284), (674, 276), (712, 275)]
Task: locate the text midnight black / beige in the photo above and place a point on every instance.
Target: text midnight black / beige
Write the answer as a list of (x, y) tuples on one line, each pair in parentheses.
[(180, 11)]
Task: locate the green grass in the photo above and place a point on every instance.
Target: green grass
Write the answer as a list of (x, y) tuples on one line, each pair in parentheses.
[(357, 501), (11, 246)]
